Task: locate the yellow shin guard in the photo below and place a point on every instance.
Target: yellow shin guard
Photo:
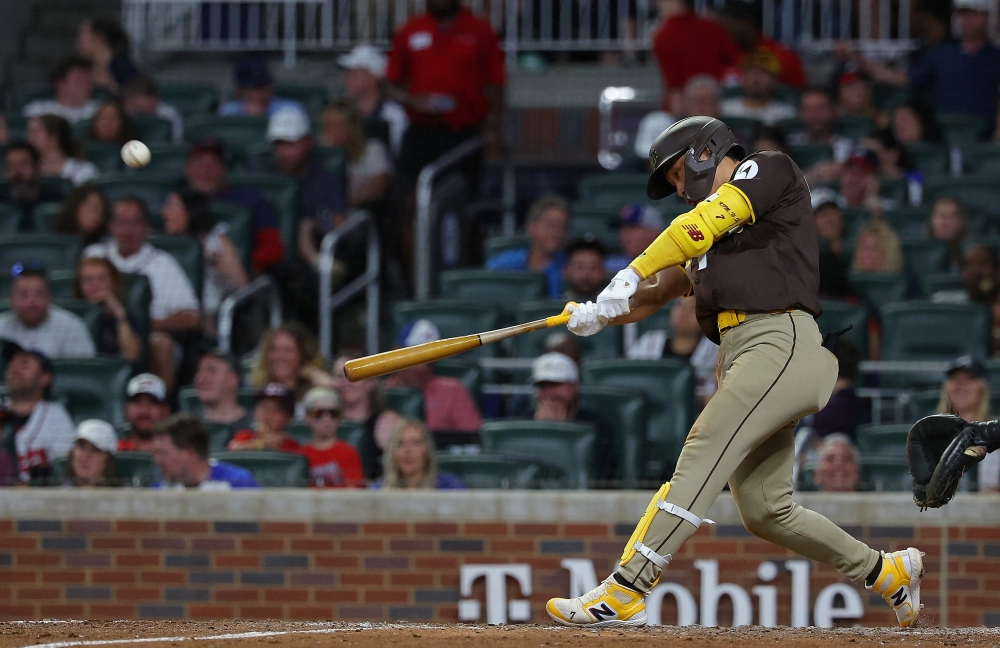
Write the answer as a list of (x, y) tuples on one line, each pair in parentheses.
[(644, 522)]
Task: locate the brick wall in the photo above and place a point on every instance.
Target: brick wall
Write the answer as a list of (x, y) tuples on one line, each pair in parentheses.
[(60, 566)]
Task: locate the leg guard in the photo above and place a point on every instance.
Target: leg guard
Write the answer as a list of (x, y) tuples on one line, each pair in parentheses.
[(658, 503)]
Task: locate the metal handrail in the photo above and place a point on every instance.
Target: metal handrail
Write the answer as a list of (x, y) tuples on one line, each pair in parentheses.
[(425, 195), (369, 282), (262, 285)]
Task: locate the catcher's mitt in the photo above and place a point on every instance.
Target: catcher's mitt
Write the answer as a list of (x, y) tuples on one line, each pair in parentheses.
[(939, 449)]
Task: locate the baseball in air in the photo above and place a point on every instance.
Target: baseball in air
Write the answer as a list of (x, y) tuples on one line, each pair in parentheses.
[(135, 154)]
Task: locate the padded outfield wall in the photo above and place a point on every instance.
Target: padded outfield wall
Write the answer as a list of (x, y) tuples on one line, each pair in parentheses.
[(474, 556)]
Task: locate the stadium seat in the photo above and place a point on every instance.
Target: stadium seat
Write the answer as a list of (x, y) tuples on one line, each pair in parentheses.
[(235, 132), (606, 344), (839, 315), (809, 155), (878, 289), (886, 97), (190, 100), (891, 474), (854, 127), (313, 98), (497, 244), (922, 331), (743, 127), (502, 289), (895, 189), (153, 130), (406, 401), (975, 193), (60, 283), (107, 157), (10, 218), (353, 433), (280, 192), (668, 386), (625, 411), (565, 447), (299, 430), (260, 159), (981, 160), (613, 190), (464, 369), (54, 251), (22, 94), (166, 160), (854, 219), (932, 158), (883, 440), (137, 469), (942, 282), (481, 471), (909, 222), (152, 188), (187, 251), (219, 435), (43, 216), (93, 387), (596, 221), (658, 321), (452, 318), (270, 469), (926, 257), (922, 403), (960, 129)]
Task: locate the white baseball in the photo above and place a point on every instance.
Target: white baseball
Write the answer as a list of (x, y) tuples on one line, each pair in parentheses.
[(135, 154)]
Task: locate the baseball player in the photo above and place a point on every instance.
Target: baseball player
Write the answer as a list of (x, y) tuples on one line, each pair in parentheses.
[(748, 252)]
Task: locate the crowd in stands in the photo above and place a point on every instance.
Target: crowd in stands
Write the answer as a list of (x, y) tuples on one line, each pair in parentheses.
[(146, 258)]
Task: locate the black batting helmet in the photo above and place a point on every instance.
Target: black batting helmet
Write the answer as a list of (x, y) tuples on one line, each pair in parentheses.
[(690, 137)]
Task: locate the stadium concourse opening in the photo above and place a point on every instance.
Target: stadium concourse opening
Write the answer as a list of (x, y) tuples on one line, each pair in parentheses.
[(215, 634)]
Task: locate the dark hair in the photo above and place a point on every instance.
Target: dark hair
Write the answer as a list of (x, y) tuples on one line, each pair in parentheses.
[(111, 32), (185, 431), (66, 222), (21, 145), (60, 129), (108, 478), (198, 207), (143, 207), (928, 122), (888, 140), (848, 357), (117, 283), (67, 65), (127, 131), (775, 133), (990, 250), (142, 84), (586, 242)]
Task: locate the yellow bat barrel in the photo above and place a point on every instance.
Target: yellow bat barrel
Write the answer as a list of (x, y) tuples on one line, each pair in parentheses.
[(389, 361)]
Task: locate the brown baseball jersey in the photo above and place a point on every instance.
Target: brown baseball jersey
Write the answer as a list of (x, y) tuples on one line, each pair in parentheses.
[(771, 264)]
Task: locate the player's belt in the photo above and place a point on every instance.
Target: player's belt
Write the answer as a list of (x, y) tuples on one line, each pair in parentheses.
[(732, 318)]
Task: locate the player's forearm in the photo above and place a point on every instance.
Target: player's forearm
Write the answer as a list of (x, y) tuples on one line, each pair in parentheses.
[(654, 293)]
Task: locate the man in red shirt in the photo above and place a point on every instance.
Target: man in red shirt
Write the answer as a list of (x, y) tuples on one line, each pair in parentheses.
[(744, 22), (688, 45), (332, 463)]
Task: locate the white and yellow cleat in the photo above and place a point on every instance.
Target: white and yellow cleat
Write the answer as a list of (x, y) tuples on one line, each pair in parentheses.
[(899, 584), (608, 604)]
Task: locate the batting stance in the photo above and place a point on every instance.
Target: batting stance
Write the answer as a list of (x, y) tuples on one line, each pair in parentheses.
[(749, 253)]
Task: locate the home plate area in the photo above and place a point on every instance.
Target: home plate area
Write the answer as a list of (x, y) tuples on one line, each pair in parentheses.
[(230, 634)]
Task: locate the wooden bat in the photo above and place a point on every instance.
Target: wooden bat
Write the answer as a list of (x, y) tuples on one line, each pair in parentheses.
[(390, 361)]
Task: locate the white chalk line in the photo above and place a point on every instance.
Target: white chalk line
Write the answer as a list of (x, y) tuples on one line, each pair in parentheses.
[(220, 637)]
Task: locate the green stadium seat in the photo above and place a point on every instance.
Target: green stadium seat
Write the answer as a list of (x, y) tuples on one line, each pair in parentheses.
[(497, 244), (809, 155), (137, 298), (932, 158), (597, 221), (353, 433), (481, 471), (313, 98), (260, 159), (153, 130), (606, 344), (613, 190), (190, 100), (895, 189), (909, 222), (235, 132), (922, 403), (299, 430), (743, 127), (166, 160), (43, 216), (187, 251), (878, 289), (922, 331), (60, 283), (839, 315), (93, 387), (854, 127), (887, 97), (54, 251), (883, 440), (565, 447), (981, 160), (270, 469), (854, 219), (503, 289), (668, 386), (466, 370), (452, 318), (187, 399), (10, 218), (137, 468), (625, 412), (281, 193), (942, 282), (960, 129), (219, 435), (107, 157), (152, 188), (891, 474), (926, 257), (658, 321), (406, 401), (22, 94), (982, 194)]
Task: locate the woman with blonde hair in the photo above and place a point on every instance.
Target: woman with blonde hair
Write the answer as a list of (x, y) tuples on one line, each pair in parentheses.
[(369, 164), (966, 393), (409, 460), (289, 354), (878, 249)]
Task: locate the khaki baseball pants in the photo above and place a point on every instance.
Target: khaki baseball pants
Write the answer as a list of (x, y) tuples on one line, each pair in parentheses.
[(773, 370)]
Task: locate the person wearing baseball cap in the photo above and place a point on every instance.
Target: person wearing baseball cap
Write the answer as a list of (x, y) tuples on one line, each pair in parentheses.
[(92, 461), (830, 230), (761, 71), (146, 405), (966, 392), (859, 183), (217, 383), (638, 226), (365, 66), (255, 90), (332, 463), (274, 409)]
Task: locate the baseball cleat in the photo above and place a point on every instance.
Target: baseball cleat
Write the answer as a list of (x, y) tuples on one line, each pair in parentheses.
[(899, 584), (608, 604)]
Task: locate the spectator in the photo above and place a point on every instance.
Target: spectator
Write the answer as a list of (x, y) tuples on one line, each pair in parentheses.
[(962, 76), (364, 403), (84, 213), (218, 385), (60, 155), (273, 410), (36, 430), (289, 354), (838, 468), (833, 259), (91, 459), (948, 223), (845, 411), (110, 124), (369, 164), (205, 172), (145, 406), (878, 250), (187, 213), (966, 393), (768, 138), (913, 122), (174, 309), (36, 323), (744, 23), (255, 90), (180, 450), (859, 183), (99, 282), (702, 97), (688, 46), (22, 169), (761, 70), (818, 117), (366, 67), (981, 274), (564, 343), (332, 463), (584, 275), (73, 88), (638, 226), (447, 404), (546, 225), (104, 43), (854, 94), (895, 160), (141, 97), (409, 461)]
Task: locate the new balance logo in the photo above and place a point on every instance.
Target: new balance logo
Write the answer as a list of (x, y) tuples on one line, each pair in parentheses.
[(602, 613), (695, 233), (899, 597)]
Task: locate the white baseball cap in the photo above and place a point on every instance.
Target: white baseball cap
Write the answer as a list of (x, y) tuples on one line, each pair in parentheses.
[(972, 5), (287, 125), (365, 57), (418, 332), (554, 367), (98, 432), (149, 384), (319, 396)]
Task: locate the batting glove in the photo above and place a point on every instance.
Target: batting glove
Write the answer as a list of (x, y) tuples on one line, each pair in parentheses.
[(613, 300), (585, 320)]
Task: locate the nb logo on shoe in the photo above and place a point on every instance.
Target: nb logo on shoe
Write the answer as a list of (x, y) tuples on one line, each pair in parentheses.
[(899, 597), (602, 613)]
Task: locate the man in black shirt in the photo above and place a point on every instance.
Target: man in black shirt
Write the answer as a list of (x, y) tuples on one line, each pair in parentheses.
[(23, 188)]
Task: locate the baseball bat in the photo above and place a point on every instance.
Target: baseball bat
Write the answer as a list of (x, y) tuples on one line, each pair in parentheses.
[(383, 363)]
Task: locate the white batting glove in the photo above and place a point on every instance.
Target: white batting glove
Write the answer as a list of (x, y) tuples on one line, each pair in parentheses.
[(585, 320), (613, 300)]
